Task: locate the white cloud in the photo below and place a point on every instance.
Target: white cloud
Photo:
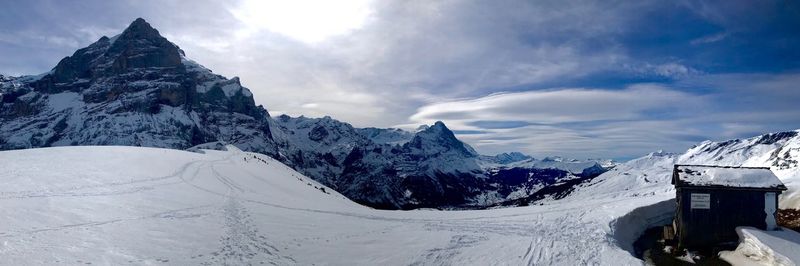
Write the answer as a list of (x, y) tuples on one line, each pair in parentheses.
[(309, 21), (573, 121), (392, 57), (562, 105), (672, 70), (710, 38), (430, 60), (641, 118)]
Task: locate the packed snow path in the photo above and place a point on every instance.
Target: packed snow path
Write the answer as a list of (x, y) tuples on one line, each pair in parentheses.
[(125, 205)]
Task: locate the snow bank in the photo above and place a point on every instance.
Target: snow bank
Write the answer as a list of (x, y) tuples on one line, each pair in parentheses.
[(760, 247), (628, 228)]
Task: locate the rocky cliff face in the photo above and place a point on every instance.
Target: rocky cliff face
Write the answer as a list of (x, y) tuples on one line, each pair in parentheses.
[(136, 88), (139, 89), (395, 169)]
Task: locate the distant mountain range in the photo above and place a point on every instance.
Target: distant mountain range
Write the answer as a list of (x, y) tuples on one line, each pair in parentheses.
[(652, 173), (139, 89)]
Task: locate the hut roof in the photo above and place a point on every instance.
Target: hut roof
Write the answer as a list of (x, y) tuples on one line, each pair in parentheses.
[(726, 176)]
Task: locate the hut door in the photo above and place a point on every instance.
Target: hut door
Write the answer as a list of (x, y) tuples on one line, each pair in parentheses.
[(769, 208)]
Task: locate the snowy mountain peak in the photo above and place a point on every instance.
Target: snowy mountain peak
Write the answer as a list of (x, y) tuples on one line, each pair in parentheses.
[(438, 128), (138, 46), (439, 139), (140, 29), (553, 159), (771, 138), (511, 157), (659, 153), (141, 39), (137, 89), (387, 135)]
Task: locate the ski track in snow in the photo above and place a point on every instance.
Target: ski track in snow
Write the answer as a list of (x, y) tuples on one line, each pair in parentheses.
[(242, 243), (171, 214), (253, 226), (445, 255), (71, 192)]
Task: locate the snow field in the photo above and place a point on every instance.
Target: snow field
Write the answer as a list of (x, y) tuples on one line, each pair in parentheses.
[(130, 205)]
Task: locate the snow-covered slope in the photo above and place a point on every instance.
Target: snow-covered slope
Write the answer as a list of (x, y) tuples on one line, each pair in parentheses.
[(652, 173), (506, 158), (386, 135), (779, 151), (646, 175), (127, 205)]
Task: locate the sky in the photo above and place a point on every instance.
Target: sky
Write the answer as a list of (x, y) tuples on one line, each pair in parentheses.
[(582, 79)]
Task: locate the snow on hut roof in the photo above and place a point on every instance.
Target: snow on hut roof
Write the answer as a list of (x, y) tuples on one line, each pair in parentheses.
[(727, 176)]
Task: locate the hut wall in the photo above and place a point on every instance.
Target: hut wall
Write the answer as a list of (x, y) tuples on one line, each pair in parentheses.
[(728, 208)]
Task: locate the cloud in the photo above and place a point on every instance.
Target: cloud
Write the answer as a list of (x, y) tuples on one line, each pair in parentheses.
[(710, 38), (498, 124), (640, 118), (305, 20), (584, 77), (569, 121), (669, 70), (562, 105), (408, 54)]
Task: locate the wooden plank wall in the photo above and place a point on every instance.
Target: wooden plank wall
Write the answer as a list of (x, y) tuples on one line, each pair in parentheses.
[(729, 209)]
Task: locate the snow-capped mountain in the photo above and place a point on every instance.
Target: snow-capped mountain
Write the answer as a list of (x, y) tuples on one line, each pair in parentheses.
[(506, 158), (519, 160), (139, 89), (433, 169), (386, 135), (392, 168), (652, 173), (136, 89)]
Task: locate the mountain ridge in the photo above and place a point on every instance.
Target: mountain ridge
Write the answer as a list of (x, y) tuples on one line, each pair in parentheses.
[(139, 89), (780, 151)]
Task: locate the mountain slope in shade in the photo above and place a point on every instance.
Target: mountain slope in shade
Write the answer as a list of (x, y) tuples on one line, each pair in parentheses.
[(430, 168), (652, 173)]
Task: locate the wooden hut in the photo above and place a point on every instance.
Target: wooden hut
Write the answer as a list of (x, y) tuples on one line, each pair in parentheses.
[(713, 200)]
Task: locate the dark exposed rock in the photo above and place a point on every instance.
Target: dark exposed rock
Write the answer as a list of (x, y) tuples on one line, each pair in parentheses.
[(318, 133), (772, 138), (133, 89)]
